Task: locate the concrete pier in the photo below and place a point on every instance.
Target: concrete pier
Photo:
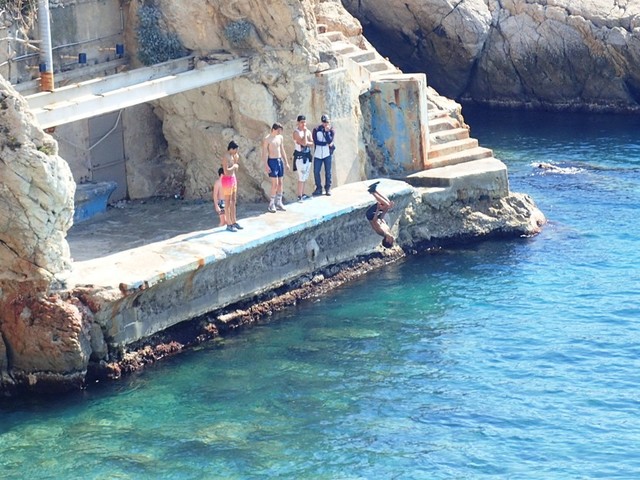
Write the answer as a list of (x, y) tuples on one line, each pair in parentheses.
[(136, 291)]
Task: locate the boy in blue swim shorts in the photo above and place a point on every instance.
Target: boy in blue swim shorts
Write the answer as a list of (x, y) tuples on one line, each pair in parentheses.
[(275, 160)]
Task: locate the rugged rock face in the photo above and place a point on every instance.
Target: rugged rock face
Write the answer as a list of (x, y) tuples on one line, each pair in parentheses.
[(285, 54), (42, 338), (430, 219), (36, 205), (559, 54)]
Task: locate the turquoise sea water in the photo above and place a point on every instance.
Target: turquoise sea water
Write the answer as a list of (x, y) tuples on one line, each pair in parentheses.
[(515, 359)]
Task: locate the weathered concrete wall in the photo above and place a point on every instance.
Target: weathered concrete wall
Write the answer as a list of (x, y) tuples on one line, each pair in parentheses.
[(140, 292), (88, 26), (92, 27), (335, 93), (73, 144), (399, 124), (148, 173)]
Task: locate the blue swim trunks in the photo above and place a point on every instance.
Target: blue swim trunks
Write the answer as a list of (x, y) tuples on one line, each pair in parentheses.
[(276, 167)]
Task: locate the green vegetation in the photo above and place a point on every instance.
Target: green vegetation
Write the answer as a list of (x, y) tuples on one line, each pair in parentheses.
[(155, 44), (238, 32), (46, 149)]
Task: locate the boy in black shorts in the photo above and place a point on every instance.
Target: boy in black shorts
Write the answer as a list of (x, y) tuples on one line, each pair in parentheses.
[(218, 197), (375, 214)]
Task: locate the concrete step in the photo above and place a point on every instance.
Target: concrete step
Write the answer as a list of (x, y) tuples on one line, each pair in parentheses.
[(441, 149), (463, 156), (442, 123), (449, 135), (361, 55), (344, 48), (434, 112), (378, 66), (394, 74), (486, 177), (333, 36)]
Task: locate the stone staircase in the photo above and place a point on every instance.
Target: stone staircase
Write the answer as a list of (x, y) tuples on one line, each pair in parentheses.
[(452, 153), (363, 53), (454, 159), (450, 144)]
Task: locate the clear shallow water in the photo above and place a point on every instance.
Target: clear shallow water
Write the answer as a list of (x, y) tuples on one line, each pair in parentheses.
[(512, 359)]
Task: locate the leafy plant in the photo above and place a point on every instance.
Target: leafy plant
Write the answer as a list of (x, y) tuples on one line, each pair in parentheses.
[(46, 149), (155, 44)]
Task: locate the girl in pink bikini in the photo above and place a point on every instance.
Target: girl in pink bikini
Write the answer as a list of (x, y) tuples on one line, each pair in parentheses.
[(230, 185)]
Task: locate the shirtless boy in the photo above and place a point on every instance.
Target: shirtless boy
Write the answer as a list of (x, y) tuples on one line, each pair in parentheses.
[(275, 161), (375, 214), (218, 197)]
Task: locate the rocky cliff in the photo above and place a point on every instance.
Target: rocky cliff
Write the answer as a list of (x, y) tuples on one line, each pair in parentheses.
[(559, 54), (43, 339), (287, 58)]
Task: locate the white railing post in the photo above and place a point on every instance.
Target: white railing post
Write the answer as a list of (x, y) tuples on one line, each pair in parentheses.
[(46, 55)]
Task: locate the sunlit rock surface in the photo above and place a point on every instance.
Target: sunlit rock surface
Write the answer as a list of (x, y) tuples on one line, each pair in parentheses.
[(561, 54)]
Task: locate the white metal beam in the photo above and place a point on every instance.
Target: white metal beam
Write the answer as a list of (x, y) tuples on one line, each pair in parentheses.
[(96, 97), (32, 87), (102, 84)]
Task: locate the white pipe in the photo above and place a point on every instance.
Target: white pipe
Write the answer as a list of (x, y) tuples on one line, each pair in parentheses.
[(44, 21)]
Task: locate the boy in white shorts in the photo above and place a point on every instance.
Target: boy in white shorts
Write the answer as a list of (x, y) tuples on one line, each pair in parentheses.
[(302, 154)]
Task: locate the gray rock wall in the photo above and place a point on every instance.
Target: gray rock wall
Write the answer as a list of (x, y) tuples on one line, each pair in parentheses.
[(36, 196), (560, 54)]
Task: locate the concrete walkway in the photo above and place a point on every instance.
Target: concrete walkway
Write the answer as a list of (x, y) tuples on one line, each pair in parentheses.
[(143, 243)]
